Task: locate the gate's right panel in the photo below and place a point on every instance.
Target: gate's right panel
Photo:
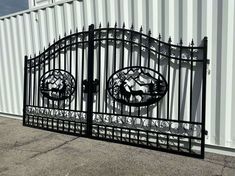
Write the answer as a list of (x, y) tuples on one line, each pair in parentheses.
[(150, 93)]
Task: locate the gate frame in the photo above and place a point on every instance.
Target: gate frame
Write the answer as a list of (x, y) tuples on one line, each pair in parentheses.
[(90, 93)]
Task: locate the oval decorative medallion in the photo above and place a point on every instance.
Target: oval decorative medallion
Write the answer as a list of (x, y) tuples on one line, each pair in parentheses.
[(137, 86), (57, 84)]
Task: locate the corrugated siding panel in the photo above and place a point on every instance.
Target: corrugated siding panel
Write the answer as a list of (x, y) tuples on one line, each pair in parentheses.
[(29, 32)]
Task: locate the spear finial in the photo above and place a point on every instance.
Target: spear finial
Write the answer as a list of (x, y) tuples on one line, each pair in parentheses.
[(181, 41), (192, 42), (169, 41), (132, 27), (159, 36)]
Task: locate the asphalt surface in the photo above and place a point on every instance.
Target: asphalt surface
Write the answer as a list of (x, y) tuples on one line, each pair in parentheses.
[(26, 151)]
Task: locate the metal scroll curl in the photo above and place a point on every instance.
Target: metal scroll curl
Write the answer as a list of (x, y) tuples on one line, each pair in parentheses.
[(137, 86), (57, 84)]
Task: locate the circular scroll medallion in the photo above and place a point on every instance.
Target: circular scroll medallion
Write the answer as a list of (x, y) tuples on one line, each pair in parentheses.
[(57, 84), (137, 86)]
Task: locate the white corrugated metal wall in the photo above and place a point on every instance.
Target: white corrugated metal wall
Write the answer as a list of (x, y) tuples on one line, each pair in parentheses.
[(30, 31)]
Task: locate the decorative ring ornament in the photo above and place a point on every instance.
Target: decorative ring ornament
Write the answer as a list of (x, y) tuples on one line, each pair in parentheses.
[(137, 86), (57, 84)]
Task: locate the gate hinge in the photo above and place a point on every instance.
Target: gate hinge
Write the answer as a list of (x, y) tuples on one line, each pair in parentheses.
[(206, 132), (95, 86)]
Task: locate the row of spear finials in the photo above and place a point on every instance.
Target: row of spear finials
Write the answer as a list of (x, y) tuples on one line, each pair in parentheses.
[(191, 44)]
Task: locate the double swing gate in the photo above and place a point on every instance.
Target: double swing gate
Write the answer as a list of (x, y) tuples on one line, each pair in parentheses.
[(120, 85)]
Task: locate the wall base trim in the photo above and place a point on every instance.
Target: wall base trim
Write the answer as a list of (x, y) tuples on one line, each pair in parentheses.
[(12, 116), (220, 149)]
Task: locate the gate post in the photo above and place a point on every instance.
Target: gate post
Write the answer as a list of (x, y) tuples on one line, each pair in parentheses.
[(204, 96), (25, 88), (90, 79)]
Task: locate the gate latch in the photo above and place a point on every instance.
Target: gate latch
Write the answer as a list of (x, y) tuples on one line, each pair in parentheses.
[(94, 86)]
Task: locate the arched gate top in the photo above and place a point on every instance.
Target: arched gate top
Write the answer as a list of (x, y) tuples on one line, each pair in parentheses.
[(168, 50)]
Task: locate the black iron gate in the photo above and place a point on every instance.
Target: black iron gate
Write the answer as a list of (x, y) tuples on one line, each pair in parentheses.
[(120, 85)]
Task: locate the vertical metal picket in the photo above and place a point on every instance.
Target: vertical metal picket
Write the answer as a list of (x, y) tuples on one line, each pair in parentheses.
[(90, 79)]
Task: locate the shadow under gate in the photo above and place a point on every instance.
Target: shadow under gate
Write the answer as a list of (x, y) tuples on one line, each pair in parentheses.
[(120, 85)]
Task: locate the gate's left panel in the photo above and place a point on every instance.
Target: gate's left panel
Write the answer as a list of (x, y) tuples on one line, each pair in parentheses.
[(54, 95)]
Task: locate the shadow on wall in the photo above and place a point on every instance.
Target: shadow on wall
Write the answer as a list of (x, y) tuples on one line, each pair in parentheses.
[(176, 64)]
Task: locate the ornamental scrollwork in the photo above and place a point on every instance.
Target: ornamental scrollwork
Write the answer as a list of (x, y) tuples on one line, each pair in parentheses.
[(151, 125), (57, 114)]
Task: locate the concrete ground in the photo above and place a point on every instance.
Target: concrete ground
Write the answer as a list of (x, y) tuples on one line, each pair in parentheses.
[(25, 151)]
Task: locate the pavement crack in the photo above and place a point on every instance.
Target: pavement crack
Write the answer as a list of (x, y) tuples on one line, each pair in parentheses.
[(222, 170), (18, 144), (224, 165), (54, 148)]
